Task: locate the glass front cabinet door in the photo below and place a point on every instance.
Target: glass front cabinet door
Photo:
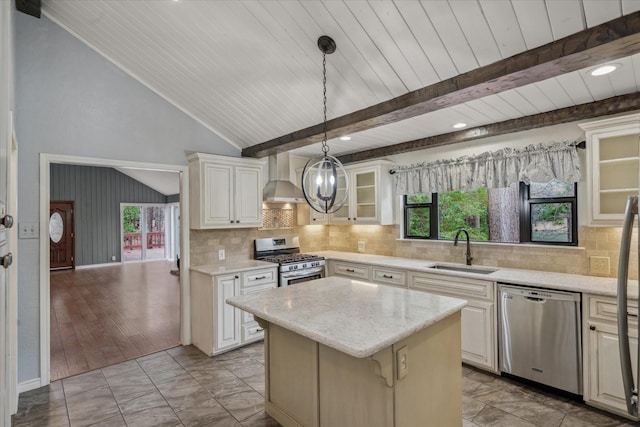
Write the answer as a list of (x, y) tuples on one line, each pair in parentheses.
[(613, 167)]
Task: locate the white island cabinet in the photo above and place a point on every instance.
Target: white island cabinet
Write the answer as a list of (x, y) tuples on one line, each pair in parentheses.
[(225, 192), (341, 352), (217, 326)]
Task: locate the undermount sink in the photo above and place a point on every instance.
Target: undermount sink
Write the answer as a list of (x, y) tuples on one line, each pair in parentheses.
[(463, 269)]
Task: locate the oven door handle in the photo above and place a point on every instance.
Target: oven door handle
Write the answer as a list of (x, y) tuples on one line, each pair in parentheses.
[(299, 273)]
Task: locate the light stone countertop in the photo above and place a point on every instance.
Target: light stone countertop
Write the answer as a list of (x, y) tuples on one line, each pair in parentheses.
[(232, 267), (557, 281), (356, 318)]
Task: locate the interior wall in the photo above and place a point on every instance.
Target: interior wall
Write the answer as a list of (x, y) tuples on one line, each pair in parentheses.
[(97, 193), (72, 101)]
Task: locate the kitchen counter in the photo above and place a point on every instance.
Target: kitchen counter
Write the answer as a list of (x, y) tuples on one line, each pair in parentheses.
[(558, 281), (353, 317), (340, 352), (232, 267)]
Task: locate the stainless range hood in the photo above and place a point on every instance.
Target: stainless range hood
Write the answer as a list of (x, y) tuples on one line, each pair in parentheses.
[(280, 189)]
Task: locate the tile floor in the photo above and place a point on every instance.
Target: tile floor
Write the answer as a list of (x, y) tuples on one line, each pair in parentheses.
[(182, 386)]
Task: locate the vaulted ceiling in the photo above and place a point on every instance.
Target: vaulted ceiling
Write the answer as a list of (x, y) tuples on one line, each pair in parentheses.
[(251, 71)]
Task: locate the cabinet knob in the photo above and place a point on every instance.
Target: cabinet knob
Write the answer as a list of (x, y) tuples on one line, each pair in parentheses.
[(355, 219), (348, 219), (592, 327), (6, 260), (237, 221), (314, 219), (237, 277), (6, 221), (231, 221)]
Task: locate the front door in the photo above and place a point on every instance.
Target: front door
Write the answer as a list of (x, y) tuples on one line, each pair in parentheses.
[(61, 242)]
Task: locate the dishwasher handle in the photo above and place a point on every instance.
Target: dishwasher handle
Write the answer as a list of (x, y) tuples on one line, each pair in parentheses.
[(536, 300)]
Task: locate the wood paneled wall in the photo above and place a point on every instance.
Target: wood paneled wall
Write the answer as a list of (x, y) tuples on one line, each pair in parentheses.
[(97, 193)]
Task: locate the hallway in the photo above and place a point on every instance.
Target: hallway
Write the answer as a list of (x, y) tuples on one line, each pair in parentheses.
[(106, 315)]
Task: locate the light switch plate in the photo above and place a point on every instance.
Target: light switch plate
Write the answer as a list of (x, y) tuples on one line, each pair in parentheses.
[(221, 254), (28, 230), (402, 362), (360, 246)]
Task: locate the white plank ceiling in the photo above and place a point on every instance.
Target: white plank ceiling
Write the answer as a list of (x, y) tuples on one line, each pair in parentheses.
[(251, 71)]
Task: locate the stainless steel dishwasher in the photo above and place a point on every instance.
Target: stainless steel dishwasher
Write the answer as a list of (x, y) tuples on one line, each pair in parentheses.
[(540, 336)]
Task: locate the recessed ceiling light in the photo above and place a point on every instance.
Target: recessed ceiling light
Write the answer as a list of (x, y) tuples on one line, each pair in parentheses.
[(605, 69), (345, 138), (459, 125)]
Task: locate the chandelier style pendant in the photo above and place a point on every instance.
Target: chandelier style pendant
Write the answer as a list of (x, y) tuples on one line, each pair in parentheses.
[(325, 183)]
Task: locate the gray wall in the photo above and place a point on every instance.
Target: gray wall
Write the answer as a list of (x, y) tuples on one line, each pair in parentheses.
[(97, 193), (72, 101)]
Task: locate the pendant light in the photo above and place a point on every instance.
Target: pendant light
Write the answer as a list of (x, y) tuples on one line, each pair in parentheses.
[(321, 178)]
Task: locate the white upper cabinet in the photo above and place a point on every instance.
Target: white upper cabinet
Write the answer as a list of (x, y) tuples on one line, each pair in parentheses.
[(613, 167), (369, 199), (225, 192)]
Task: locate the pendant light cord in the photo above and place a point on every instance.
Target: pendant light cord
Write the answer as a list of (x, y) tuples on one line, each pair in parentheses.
[(325, 147)]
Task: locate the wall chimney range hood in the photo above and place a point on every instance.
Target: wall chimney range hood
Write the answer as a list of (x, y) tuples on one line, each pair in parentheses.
[(280, 189)]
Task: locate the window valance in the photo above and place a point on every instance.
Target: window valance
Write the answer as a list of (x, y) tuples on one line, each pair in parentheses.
[(497, 169)]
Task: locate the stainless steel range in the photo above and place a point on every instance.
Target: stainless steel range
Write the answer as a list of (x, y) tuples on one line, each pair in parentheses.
[(294, 266)]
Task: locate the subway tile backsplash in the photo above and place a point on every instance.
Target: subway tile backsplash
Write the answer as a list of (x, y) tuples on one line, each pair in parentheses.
[(383, 240)]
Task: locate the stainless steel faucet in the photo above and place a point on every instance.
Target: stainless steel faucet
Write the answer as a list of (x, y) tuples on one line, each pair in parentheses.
[(455, 243)]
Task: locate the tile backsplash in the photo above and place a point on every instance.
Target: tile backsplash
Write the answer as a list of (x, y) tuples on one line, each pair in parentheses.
[(383, 240)]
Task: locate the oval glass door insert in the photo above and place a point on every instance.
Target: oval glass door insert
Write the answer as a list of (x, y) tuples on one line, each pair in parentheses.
[(56, 227)]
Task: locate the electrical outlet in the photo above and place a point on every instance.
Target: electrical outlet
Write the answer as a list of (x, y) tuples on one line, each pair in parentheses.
[(599, 265), (402, 362), (360, 246), (221, 254), (113, 257)]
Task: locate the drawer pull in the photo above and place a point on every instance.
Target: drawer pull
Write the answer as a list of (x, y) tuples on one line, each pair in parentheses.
[(632, 314), (387, 277), (350, 270), (592, 327), (260, 278), (259, 330)]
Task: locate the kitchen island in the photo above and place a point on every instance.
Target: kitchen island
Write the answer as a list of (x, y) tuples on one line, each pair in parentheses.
[(340, 352)]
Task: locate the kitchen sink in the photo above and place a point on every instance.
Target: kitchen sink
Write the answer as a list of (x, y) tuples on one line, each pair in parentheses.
[(463, 269)]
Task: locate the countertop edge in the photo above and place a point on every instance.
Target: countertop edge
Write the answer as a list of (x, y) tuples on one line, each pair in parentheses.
[(359, 353), (593, 285)]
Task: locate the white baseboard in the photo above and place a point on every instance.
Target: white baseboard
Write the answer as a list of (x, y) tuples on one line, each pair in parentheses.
[(106, 264), (29, 385), (111, 264)]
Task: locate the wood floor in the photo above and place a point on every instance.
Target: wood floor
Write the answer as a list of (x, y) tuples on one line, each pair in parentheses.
[(106, 315)]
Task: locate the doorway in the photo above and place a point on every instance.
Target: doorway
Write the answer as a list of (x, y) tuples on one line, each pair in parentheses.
[(45, 280), (148, 232)]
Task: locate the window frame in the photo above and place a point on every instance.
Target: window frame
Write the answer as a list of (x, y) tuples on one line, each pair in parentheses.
[(525, 215), (525, 202), (433, 213)]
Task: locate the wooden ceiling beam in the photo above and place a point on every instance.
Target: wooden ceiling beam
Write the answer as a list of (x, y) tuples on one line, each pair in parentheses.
[(609, 106), (612, 40)]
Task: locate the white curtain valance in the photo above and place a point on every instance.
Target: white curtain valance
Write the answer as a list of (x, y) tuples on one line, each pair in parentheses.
[(497, 169)]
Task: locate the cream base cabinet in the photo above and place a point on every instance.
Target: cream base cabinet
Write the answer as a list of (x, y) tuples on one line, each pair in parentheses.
[(225, 192), (603, 386), (349, 270), (216, 326), (479, 322), (228, 325)]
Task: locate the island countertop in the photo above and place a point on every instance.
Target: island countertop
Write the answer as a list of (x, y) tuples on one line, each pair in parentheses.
[(356, 318)]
